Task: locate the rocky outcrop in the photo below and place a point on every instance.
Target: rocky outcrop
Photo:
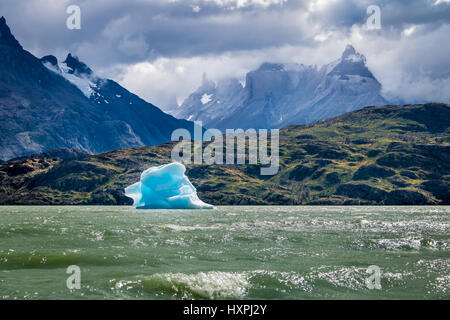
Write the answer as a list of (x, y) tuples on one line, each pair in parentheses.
[(361, 191), (408, 197), (367, 172), (439, 189), (61, 154)]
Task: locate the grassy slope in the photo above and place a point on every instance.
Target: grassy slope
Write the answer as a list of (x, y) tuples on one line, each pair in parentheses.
[(378, 155)]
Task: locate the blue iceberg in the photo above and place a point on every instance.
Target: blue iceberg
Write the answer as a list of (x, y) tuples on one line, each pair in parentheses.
[(165, 187)]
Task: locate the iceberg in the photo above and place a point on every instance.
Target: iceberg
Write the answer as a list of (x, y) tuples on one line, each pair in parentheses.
[(165, 187)]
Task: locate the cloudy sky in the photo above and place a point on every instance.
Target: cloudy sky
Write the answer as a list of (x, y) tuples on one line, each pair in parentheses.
[(160, 49)]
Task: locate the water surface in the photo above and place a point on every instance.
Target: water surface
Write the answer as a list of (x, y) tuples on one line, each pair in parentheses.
[(226, 253)]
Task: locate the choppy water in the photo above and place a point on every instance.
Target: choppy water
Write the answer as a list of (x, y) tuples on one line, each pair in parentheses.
[(229, 252)]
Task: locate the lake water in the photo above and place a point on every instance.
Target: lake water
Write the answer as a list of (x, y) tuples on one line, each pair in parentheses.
[(225, 253)]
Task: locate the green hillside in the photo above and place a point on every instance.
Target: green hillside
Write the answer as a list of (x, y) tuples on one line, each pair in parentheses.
[(377, 155)]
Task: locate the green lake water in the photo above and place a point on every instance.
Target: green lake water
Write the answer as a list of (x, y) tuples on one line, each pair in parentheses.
[(225, 253)]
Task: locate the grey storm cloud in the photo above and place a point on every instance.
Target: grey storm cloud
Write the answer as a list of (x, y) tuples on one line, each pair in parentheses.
[(161, 36), (135, 30)]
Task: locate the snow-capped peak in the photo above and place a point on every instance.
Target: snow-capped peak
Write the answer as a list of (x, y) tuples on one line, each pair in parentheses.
[(351, 55), (349, 50), (298, 67), (76, 72), (350, 63)]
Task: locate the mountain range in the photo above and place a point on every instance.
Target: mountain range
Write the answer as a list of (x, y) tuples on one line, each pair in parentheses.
[(276, 95), (46, 104)]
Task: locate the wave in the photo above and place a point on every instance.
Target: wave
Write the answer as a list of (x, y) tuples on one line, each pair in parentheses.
[(405, 243), (47, 260), (203, 285)]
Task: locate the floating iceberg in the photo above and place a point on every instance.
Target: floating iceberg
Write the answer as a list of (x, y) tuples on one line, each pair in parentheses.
[(165, 187)]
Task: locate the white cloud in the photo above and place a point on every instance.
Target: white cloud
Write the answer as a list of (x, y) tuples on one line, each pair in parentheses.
[(164, 79), (232, 4), (322, 36), (438, 2), (409, 31), (412, 66), (319, 5)]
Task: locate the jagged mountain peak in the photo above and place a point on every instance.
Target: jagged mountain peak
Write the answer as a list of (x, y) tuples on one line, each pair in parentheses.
[(349, 50), (50, 59), (6, 37), (76, 66), (75, 71), (352, 63), (350, 54)]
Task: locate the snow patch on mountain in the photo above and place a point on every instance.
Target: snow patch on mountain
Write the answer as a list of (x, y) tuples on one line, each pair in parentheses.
[(355, 58), (206, 98), (86, 83)]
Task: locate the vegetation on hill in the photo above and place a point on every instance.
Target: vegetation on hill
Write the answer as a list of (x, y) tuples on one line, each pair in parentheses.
[(393, 155)]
